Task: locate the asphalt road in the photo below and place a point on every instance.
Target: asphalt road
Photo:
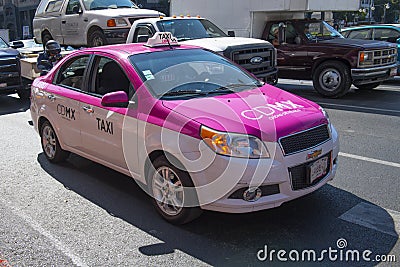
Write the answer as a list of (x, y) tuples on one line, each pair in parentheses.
[(81, 213)]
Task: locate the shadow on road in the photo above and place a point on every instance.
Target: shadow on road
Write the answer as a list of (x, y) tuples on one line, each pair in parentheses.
[(311, 222), (377, 101), (10, 104)]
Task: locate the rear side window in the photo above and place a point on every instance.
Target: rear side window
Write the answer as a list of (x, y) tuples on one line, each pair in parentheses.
[(388, 35), (359, 34), (71, 74), (53, 6)]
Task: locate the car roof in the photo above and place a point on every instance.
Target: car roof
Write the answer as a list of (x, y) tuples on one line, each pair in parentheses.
[(382, 26), (125, 50)]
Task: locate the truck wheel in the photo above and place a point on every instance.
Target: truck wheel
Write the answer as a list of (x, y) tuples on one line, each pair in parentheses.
[(45, 38), (332, 79), (168, 187), (96, 38), (24, 94), (368, 86), (50, 145)]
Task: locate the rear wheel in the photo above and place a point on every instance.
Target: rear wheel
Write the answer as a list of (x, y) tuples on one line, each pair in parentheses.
[(50, 145), (332, 79), (168, 186), (46, 36), (368, 86)]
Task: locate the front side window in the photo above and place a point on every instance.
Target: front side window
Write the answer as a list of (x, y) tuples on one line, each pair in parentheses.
[(71, 74), (3, 44), (359, 34), (73, 7), (108, 77), (173, 74)]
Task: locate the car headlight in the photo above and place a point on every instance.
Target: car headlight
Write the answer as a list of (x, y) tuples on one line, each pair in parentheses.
[(327, 117), (233, 144), (366, 58), (116, 22)]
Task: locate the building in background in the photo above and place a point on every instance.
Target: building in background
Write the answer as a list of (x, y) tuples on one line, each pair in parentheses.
[(17, 17)]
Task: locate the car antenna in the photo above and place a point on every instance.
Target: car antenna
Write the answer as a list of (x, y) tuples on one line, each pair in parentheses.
[(163, 28)]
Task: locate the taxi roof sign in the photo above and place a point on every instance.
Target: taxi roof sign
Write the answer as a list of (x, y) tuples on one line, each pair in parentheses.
[(162, 39)]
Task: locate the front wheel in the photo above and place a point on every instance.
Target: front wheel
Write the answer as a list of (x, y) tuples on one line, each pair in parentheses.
[(50, 144), (368, 86), (332, 79), (96, 38), (170, 188)]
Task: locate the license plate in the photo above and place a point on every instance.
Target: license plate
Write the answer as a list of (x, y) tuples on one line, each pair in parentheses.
[(393, 72), (318, 168), (3, 85)]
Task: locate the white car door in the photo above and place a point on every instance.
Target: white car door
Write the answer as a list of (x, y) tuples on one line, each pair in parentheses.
[(73, 23)]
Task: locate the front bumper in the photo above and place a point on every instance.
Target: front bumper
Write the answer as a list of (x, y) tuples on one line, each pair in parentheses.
[(116, 36), (10, 82), (269, 77), (273, 176), (372, 75)]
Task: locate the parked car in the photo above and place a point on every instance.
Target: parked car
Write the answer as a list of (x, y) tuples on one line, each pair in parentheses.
[(381, 32), (311, 49), (10, 71), (197, 130), (27, 47), (86, 22)]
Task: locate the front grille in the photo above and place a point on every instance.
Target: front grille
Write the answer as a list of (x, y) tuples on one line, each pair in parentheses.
[(299, 176), (304, 140), (266, 190), (244, 55), (9, 64), (380, 58)]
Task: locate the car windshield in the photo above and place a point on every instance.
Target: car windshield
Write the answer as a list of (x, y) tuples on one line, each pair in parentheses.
[(188, 29), (177, 74), (319, 30), (106, 4), (3, 44)]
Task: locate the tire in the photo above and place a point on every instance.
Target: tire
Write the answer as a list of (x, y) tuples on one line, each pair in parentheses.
[(96, 38), (368, 86), (50, 145), (24, 94), (45, 38), (332, 79), (165, 192)]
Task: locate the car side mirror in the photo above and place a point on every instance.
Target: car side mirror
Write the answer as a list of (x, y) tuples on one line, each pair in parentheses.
[(231, 33), (117, 99), (17, 44), (398, 41)]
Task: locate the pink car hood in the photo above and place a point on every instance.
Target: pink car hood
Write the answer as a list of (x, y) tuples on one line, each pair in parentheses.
[(267, 112)]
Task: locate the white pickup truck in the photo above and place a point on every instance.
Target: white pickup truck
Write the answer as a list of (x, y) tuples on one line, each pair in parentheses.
[(255, 55)]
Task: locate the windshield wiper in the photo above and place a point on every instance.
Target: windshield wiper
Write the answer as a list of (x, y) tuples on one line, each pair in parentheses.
[(124, 6), (236, 85), (184, 92), (99, 8)]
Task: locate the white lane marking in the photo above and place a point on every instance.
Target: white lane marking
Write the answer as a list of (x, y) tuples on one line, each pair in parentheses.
[(358, 107), (374, 217), (37, 227), (383, 162)]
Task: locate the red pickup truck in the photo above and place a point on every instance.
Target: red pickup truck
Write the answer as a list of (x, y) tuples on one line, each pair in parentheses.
[(312, 49)]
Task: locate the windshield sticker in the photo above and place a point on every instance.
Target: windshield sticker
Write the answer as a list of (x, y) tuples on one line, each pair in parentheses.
[(272, 111), (148, 74)]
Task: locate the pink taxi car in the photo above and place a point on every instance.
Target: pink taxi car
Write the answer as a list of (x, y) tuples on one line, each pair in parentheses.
[(195, 130)]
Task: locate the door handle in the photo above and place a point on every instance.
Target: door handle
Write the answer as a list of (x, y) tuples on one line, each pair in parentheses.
[(88, 109), (51, 97), (85, 19), (63, 21)]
